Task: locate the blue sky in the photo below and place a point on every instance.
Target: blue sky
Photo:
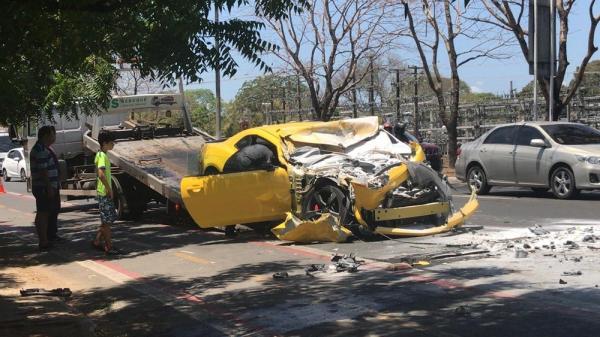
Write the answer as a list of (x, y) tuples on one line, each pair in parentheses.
[(483, 76)]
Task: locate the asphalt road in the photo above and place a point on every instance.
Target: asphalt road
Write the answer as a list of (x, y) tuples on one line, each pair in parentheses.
[(177, 280)]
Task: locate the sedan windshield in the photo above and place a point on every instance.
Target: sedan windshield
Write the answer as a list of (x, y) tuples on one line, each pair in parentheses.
[(572, 134)]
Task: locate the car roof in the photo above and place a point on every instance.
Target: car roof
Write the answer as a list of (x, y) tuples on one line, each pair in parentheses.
[(535, 123)]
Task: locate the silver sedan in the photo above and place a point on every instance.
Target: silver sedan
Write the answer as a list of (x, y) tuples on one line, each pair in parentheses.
[(563, 157)]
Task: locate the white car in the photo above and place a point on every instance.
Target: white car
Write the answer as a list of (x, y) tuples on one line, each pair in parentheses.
[(14, 165)]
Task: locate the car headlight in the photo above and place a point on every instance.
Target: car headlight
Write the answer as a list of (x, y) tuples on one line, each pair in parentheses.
[(589, 159)]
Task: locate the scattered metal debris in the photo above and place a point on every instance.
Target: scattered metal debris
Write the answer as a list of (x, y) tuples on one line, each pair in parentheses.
[(463, 310), (281, 275), (520, 254), (538, 230), (341, 263), (571, 244), (60, 292)]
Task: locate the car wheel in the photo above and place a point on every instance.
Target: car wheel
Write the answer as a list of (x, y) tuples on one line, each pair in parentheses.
[(562, 182), (23, 175), (5, 174), (477, 180), (325, 199)]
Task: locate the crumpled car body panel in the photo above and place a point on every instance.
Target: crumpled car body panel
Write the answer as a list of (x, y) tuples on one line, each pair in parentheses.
[(325, 228), (369, 165)]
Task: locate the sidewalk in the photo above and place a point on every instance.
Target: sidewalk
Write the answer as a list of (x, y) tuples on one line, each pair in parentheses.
[(33, 315)]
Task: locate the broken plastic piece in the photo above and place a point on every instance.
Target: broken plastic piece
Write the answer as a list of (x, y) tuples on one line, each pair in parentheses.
[(280, 275), (325, 228), (60, 292)]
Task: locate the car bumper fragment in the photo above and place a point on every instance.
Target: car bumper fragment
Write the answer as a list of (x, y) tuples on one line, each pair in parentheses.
[(326, 228), (383, 214), (456, 219)]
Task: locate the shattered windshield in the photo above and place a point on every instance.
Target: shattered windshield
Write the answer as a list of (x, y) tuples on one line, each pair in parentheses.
[(572, 134)]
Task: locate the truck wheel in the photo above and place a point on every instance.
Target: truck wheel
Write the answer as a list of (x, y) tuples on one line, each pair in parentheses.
[(5, 174)]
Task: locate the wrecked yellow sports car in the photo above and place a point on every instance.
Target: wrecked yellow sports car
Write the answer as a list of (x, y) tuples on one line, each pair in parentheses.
[(347, 175)]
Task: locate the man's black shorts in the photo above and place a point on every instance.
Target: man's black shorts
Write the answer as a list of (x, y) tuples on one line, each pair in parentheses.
[(43, 203)]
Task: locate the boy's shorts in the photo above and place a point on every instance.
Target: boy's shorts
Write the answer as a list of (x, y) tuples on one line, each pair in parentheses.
[(108, 213)]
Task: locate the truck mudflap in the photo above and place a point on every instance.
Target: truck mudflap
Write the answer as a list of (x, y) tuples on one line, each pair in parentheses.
[(455, 220)]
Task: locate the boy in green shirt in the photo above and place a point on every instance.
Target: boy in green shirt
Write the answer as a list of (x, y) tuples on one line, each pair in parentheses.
[(108, 214)]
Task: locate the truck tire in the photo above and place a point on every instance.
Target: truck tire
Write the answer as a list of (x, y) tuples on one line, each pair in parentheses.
[(129, 201)]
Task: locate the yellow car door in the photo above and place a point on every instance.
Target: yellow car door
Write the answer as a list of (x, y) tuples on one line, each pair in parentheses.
[(237, 198)]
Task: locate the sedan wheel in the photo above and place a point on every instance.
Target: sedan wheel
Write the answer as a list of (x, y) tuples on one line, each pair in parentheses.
[(477, 180), (5, 175), (23, 175), (563, 183)]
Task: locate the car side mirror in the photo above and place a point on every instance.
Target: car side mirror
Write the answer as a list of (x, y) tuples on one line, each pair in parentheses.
[(538, 143)]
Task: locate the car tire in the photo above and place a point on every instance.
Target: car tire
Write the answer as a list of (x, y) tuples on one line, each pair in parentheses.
[(562, 182), (325, 199), (23, 175), (477, 180), (5, 174)]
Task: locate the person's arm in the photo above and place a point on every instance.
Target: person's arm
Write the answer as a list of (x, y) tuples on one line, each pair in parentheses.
[(104, 181)]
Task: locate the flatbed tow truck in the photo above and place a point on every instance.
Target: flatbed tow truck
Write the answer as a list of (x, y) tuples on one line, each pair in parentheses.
[(149, 158)]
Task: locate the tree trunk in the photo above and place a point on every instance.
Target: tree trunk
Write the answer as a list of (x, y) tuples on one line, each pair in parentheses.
[(452, 142)]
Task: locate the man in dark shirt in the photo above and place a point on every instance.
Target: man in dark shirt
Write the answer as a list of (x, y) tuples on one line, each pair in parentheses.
[(251, 157), (45, 185)]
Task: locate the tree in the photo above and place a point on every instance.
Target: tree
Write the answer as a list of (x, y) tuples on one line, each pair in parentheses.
[(509, 15), (324, 44), (275, 90), (202, 104), (58, 47), (448, 25)]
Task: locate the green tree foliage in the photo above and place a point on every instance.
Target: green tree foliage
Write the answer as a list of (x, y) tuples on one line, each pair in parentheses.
[(53, 49), (248, 103), (202, 107)]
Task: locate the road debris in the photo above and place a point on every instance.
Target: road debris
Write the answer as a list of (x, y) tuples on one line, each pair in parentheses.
[(463, 310), (520, 254), (59, 292), (341, 263), (538, 230), (280, 275), (572, 273), (561, 281)]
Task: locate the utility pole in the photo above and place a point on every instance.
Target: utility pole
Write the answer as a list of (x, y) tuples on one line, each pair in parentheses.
[(354, 107), (371, 93), (217, 80), (510, 93), (535, 59), (416, 98), (398, 95), (552, 62)]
